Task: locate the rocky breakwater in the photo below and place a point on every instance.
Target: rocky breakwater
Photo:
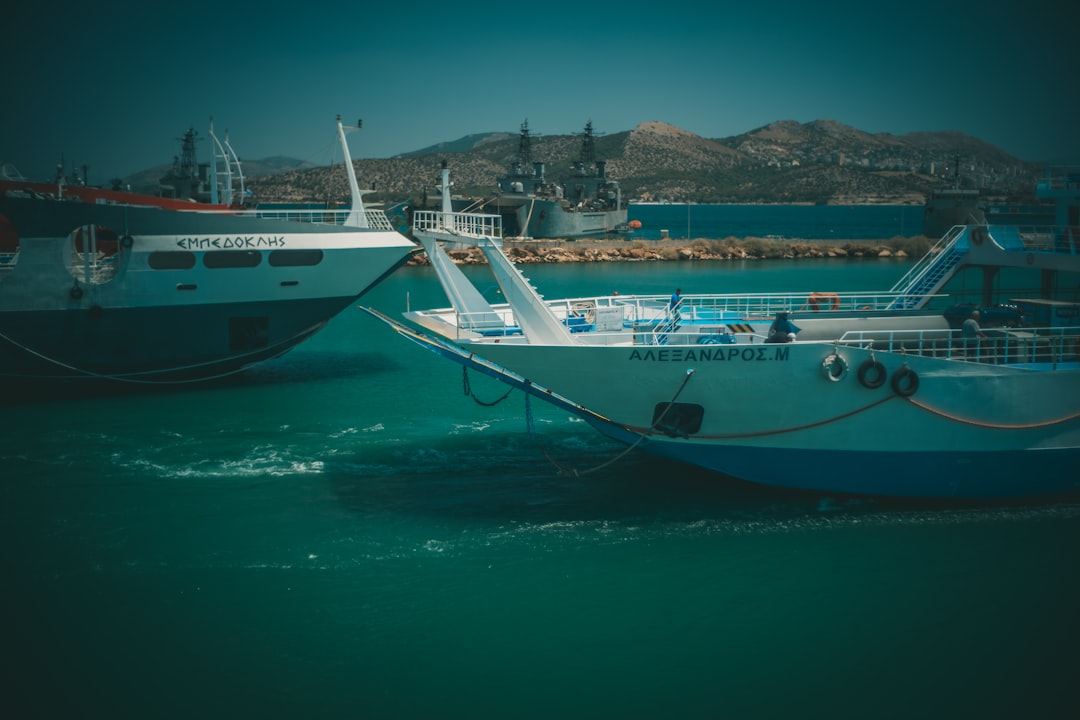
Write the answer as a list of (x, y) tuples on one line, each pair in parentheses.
[(556, 251)]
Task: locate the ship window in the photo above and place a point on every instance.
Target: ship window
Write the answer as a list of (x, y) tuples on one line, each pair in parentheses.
[(678, 419), (232, 259), (295, 258), (172, 260)]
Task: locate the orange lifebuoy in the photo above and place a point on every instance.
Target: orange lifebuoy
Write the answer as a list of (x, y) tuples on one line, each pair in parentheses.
[(977, 236), (818, 300)]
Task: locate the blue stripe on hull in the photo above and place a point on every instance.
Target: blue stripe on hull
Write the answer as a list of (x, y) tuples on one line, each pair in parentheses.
[(987, 474), (192, 341)]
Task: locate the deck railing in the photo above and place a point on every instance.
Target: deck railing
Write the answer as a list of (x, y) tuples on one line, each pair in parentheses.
[(653, 322), (321, 216), (473, 225), (1001, 346), (709, 308), (648, 321)]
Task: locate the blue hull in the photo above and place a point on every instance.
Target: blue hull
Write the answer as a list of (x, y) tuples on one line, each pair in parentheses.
[(985, 474)]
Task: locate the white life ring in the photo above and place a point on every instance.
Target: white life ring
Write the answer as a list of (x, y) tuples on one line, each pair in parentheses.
[(834, 367)]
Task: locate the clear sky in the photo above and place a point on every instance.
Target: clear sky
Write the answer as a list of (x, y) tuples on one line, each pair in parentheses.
[(114, 85)]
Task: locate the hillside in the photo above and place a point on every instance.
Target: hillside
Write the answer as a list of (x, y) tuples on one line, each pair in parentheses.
[(786, 162), (150, 180)]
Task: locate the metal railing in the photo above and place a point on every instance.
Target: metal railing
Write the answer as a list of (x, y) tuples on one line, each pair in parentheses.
[(474, 225), (930, 272), (1043, 347), (321, 216), (94, 268), (706, 310), (924, 277), (712, 308)]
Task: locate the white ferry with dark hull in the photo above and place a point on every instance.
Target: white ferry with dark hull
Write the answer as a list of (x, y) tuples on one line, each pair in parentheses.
[(873, 393), (104, 285)]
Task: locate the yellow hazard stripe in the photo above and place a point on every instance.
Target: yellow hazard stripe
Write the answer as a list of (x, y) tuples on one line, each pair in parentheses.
[(740, 327)]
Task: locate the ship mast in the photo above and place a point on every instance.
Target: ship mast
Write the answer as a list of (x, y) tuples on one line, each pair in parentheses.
[(357, 217), (227, 173), (588, 147), (524, 146), (183, 178)]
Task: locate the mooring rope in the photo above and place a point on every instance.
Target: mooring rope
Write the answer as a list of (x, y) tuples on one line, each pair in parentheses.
[(574, 472), (992, 426), (780, 431), (856, 411), (131, 377), (467, 387)]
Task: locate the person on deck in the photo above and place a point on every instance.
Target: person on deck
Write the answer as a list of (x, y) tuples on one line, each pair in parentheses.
[(971, 332), (676, 301), (782, 329)]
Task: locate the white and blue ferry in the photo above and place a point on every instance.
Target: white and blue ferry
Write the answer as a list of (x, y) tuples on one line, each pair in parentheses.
[(874, 393), (107, 285)]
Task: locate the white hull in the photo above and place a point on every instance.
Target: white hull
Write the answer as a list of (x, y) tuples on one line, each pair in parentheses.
[(870, 393), (128, 317), (108, 285), (770, 412)]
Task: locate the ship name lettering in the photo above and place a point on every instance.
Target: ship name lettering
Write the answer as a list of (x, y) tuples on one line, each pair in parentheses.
[(712, 354), (231, 242)]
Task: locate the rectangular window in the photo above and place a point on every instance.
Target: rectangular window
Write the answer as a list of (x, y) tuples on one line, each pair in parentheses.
[(172, 260), (295, 258), (232, 259)]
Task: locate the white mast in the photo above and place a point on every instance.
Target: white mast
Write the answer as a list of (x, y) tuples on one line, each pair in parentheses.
[(448, 218), (213, 168), (229, 160), (357, 217)]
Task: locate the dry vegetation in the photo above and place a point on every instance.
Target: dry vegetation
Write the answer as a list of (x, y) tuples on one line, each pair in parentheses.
[(751, 248)]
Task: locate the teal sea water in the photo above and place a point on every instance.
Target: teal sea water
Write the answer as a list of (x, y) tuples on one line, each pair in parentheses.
[(807, 222), (343, 533)]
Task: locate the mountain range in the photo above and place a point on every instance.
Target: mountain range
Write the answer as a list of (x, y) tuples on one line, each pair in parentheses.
[(823, 161)]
